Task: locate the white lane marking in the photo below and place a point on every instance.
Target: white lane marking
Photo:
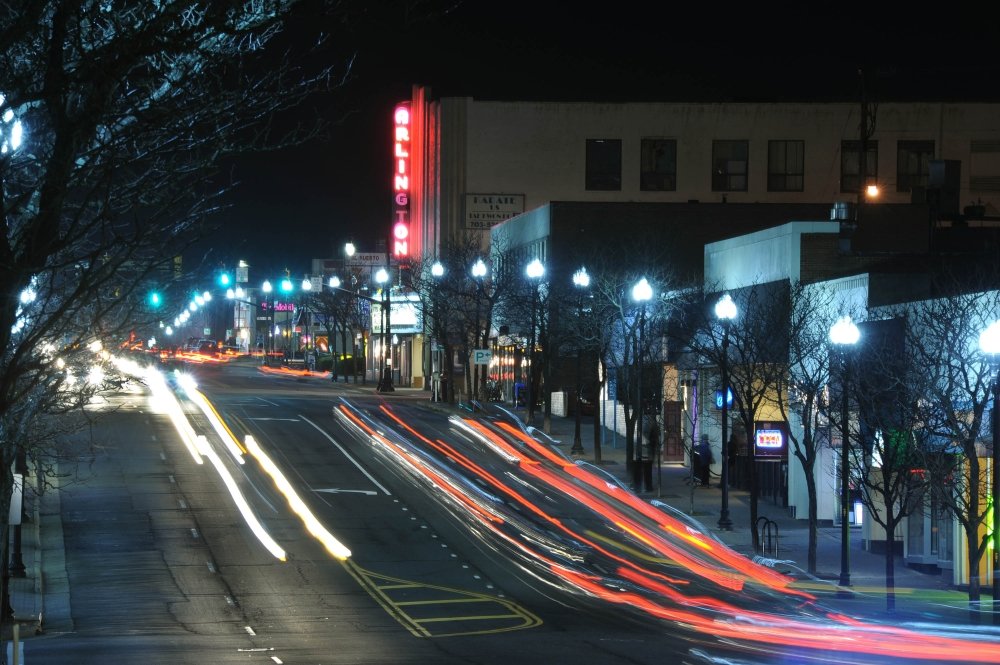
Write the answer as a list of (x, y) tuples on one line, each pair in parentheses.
[(211, 566), (163, 457), (347, 455), (286, 420), (194, 532), (268, 402), (337, 490), (277, 660), (182, 503), (249, 630)]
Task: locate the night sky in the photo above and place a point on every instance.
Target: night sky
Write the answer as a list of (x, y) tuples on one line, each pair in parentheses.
[(303, 203)]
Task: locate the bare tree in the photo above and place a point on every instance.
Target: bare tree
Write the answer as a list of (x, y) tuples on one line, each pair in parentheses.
[(887, 467), (755, 349), (811, 314), (115, 121), (956, 379)]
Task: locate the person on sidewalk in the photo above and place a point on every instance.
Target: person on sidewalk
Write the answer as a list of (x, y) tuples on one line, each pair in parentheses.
[(705, 460)]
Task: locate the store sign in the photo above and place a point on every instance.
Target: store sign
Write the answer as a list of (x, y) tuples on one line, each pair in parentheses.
[(729, 398), (401, 181), (483, 211), (771, 439), (404, 315)]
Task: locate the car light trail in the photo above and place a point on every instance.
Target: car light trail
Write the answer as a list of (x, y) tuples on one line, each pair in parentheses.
[(298, 506), (818, 631), (241, 504), (199, 448), (224, 433)]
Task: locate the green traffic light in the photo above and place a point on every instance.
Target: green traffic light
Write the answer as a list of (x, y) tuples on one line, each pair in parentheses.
[(224, 279), (155, 299)]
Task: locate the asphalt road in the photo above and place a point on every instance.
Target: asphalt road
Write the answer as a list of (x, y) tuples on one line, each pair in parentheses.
[(164, 566)]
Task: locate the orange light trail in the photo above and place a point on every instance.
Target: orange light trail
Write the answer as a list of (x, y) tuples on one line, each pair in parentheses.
[(844, 634)]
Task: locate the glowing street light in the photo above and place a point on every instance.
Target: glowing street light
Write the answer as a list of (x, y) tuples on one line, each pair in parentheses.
[(642, 292), (582, 281), (385, 377), (844, 335), (535, 271), (725, 311)]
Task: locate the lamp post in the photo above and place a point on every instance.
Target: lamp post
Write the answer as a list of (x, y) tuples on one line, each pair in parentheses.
[(478, 273), (989, 342), (582, 281), (535, 271), (269, 302), (334, 284), (438, 389), (306, 288), (285, 286), (725, 311), (641, 293), (385, 377), (844, 335)]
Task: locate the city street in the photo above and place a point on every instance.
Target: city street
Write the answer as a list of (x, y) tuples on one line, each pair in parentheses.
[(465, 545)]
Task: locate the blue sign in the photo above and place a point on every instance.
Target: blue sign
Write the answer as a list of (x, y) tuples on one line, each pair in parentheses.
[(729, 398)]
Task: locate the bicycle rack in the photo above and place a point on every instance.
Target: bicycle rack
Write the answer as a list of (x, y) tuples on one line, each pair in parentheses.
[(767, 532)]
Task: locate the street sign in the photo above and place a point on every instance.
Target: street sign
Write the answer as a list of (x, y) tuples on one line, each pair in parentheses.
[(369, 259), (481, 356)]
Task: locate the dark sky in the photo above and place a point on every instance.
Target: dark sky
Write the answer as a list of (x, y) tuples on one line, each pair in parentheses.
[(304, 203)]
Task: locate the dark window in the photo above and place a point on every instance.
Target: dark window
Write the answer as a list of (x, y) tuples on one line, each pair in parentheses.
[(604, 164), (658, 167), (729, 166), (913, 160), (850, 172), (786, 166)]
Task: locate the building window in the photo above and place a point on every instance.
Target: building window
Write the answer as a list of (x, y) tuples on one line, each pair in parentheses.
[(604, 164), (729, 166), (658, 167), (984, 166), (786, 166), (850, 172), (913, 164)]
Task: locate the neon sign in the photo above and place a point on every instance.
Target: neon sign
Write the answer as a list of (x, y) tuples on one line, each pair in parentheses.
[(401, 181)]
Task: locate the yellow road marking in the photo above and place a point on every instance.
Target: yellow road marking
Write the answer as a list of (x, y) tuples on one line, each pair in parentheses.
[(372, 582)]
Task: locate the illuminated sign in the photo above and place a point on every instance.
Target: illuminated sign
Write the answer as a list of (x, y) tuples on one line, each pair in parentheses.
[(729, 398), (771, 439), (401, 181)]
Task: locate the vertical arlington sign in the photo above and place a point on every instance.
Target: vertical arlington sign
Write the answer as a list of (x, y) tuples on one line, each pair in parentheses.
[(401, 181)]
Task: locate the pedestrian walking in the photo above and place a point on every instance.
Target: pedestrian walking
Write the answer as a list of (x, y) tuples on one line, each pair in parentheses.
[(705, 460)]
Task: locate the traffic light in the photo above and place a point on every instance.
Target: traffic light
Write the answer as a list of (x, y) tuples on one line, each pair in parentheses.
[(224, 279), (155, 299)]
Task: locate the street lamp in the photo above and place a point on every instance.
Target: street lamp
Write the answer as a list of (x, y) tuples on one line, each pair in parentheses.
[(478, 273), (268, 289), (306, 288), (989, 342), (286, 287), (725, 311), (385, 378), (641, 293), (535, 271), (582, 281), (438, 389), (844, 335)]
